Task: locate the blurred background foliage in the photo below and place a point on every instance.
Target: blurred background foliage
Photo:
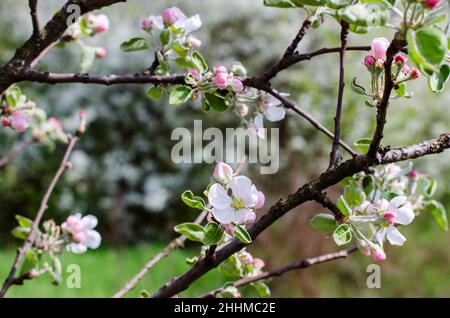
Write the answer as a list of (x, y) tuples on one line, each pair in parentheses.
[(124, 175)]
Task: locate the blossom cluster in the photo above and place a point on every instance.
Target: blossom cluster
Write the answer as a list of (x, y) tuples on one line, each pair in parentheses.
[(76, 235), (375, 205)]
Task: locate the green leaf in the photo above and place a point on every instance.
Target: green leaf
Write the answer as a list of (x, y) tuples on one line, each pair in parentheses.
[(180, 49), (262, 289), (358, 89), (199, 62), (427, 48), (135, 44), (437, 80), (180, 94), (232, 266), (369, 184), (30, 262), (353, 194), (342, 235), (23, 221), (56, 271), (20, 232), (438, 211), (144, 294), (294, 3), (400, 89), (324, 222), (154, 93), (165, 36), (213, 233), (193, 201), (363, 144), (215, 102), (343, 206), (192, 231), (241, 233), (431, 189), (13, 95), (364, 14)]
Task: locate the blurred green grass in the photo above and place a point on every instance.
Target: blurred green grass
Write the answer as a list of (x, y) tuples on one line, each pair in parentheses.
[(105, 271)]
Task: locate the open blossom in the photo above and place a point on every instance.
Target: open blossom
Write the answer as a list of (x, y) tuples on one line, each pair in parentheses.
[(20, 121), (100, 23), (397, 211), (172, 15), (235, 207), (81, 232), (272, 108)]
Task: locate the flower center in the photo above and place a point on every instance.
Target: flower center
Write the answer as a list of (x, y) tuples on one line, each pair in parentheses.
[(237, 203)]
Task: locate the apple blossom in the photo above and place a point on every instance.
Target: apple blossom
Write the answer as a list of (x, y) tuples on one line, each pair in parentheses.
[(257, 126), (430, 4), (6, 122), (243, 110), (81, 232), (152, 22), (369, 61), (400, 59), (272, 108), (172, 15), (414, 74), (379, 48), (221, 80), (378, 254), (229, 229), (20, 121), (100, 53), (101, 23), (237, 85), (235, 207), (192, 41), (249, 218), (261, 200), (223, 173)]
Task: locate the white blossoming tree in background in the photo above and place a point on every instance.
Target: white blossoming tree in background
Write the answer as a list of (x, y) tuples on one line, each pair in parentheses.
[(379, 197)]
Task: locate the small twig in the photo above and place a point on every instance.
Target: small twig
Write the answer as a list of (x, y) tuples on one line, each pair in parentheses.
[(335, 156), (23, 145), (327, 203), (34, 17), (308, 262), (29, 241)]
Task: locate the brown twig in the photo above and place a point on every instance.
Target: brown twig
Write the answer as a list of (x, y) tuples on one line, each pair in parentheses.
[(335, 156), (29, 241), (327, 203), (308, 262), (34, 17)]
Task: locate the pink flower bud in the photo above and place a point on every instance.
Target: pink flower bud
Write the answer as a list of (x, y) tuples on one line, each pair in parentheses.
[(100, 53), (237, 85), (259, 263), (221, 80), (101, 23), (414, 174), (379, 255), (248, 258), (430, 4), (194, 42), (220, 69), (406, 69), (172, 15), (6, 122), (20, 122), (261, 200), (400, 59), (145, 24), (249, 218), (369, 60), (237, 295), (55, 123), (414, 74), (223, 172), (195, 74), (229, 229), (379, 48), (390, 217)]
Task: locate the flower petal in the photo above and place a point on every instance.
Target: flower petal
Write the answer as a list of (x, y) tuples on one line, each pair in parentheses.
[(190, 24), (275, 113), (397, 201), (394, 236), (93, 239), (89, 222), (228, 215), (77, 248), (405, 215), (218, 197)]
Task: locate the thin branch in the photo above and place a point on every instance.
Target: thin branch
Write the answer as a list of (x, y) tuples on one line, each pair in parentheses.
[(396, 46), (56, 78), (335, 157), (288, 104), (308, 262), (22, 146), (306, 193), (29, 241), (34, 17), (327, 203)]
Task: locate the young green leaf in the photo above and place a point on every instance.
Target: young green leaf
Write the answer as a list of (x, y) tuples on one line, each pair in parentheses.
[(241, 233), (438, 211), (342, 235), (343, 206), (364, 14), (193, 201), (262, 289), (154, 93), (213, 233), (199, 62), (427, 48), (438, 79), (180, 94), (363, 144), (358, 89), (324, 222), (135, 44), (192, 231), (353, 194), (215, 102), (23, 221)]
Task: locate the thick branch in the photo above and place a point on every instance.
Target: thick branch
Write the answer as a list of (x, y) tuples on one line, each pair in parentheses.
[(308, 262), (29, 241), (51, 33), (34, 17), (302, 195), (396, 46), (335, 157)]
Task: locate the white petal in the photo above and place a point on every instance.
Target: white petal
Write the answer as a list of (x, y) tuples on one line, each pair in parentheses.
[(77, 248), (89, 222), (383, 204), (272, 101), (275, 113), (394, 236), (228, 215), (250, 196), (240, 184), (190, 24), (218, 197), (93, 239), (397, 201), (405, 215)]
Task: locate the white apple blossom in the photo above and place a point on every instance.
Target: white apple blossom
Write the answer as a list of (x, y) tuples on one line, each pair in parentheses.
[(257, 126), (272, 108), (81, 232), (233, 208)]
